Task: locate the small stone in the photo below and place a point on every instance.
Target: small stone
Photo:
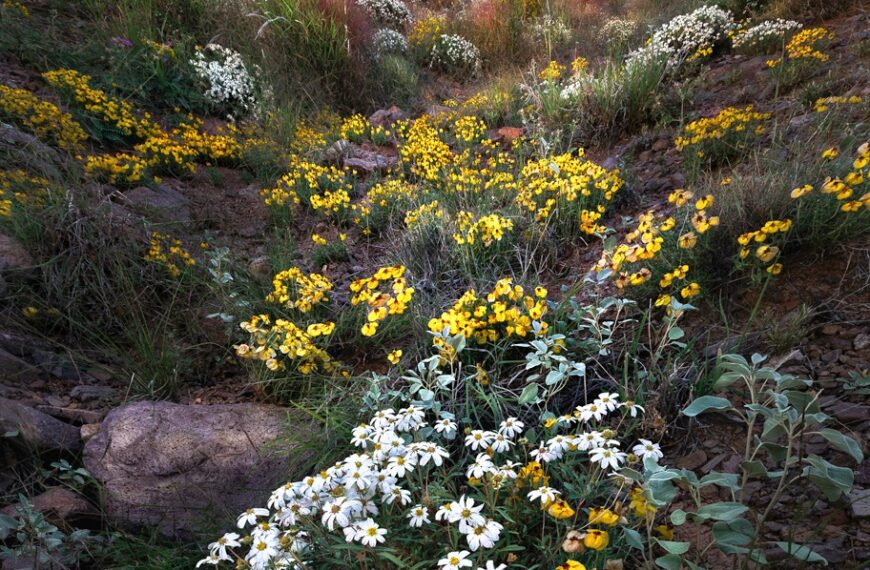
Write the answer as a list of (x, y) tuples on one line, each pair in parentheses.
[(693, 460), (859, 500), (38, 429), (861, 341), (831, 356), (88, 431), (261, 269), (87, 393), (59, 505), (661, 145)]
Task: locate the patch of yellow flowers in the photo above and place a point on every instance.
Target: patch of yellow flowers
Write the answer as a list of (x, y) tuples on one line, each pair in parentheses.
[(505, 312), (385, 293), (42, 118), (284, 343), (484, 230), (293, 289), (805, 46), (729, 125), (168, 252), (17, 186)]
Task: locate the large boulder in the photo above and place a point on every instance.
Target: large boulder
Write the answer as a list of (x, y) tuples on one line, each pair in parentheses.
[(36, 429), (187, 469)]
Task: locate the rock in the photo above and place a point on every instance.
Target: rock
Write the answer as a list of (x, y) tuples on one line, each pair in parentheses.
[(60, 506), (163, 203), (16, 369), (368, 161), (859, 499), (508, 134), (847, 412), (37, 429), (87, 431), (261, 269), (58, 365), (86, 393), (13, 255), (861, 341), (661, 145), (72, 414), (693, 460), (386, 117), (176, 467), (337, 151)]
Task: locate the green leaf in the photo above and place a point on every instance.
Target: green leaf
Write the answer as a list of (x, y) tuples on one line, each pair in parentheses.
[(529, 395), (723, 511), (674, 547), (669, 562), (678, 517), (831, 479), (676, 333), (726, 380), (633, 538), (705, 403), (729, 480), (754, 468), (802, 552), (844, 443)]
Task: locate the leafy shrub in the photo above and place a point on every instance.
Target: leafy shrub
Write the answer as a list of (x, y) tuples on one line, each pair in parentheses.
[(229, 86), (390, 13), (455, 55), (766, 37)]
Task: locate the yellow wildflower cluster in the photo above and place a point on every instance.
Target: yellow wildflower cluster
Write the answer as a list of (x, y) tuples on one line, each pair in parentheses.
[(469, 129), (294, 289), (114, 112), (483, 174), (303, 180), (424, 215), (504, 312), (332, 203), (17, 186), (211, 148), (764, 252), (824, 103), (306, 138), (552, 72), (485, 230), (17, 6), (567, 188), (166, 155), (42, 118), (426, 30), (381, 202), (120, 169), (168, 252), (805, 46), (579, 65), (729, 122), (424, 153), (386, 293), (357, 128), (284, 337), (852, 189), (159, 49)]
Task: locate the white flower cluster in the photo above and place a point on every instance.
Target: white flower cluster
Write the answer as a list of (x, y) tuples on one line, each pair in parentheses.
[(346, 497), (687, 37), (389, 41), (770, 33), (228, 82), (392, 13), (550, 28), (455, 53), (619, 30)]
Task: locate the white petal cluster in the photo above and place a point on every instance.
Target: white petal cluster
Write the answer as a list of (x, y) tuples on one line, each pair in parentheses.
[(686, 37), (390, 13), (227, 80), (616, 29), (389, 41), (395, 451), (767, 33), (455, 53), (550, 28)]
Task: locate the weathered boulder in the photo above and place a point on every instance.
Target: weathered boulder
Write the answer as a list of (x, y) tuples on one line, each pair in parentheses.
[(162, 203), (13, 255), (36, 429), (60, 506), (386, 117), (186, 469), (369, 161)]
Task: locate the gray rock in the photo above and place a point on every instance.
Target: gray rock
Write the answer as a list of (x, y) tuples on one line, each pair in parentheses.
[(861, 341), (13, 255), (59, 505), (163, 203), (859, 499), (15, 369), (185, 469), (386, 117), (368, 161), (37, 429), (88, 393)]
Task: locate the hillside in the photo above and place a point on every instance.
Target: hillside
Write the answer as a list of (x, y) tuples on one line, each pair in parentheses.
[(436, 284)]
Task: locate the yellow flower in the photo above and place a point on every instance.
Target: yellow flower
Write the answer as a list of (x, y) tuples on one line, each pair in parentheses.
[(801, 191), (571, 565), (688, 240), (663, 301), (704, 203), (560, 510), (395, 356), (766, 253), (775, 269), (369, 329), (664, 531), (550, 422), (726, 181), (603, 516), (831, 153), (596, 539), (29, 312), (691, 290)]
